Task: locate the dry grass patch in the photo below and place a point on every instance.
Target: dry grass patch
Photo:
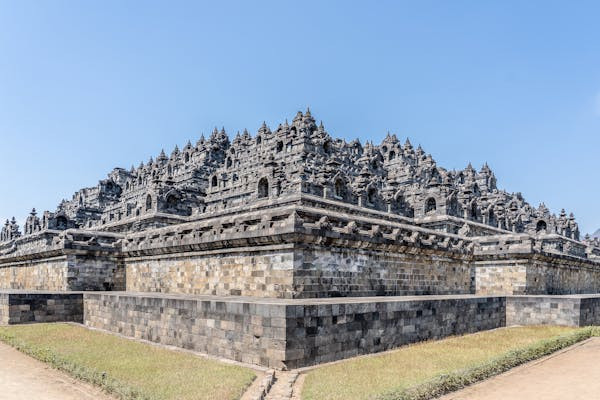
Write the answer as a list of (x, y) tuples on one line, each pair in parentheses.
[(413, 365), (126, 368)]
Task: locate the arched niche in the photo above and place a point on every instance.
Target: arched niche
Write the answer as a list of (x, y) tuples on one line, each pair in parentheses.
[(263, 188), (430, 205)]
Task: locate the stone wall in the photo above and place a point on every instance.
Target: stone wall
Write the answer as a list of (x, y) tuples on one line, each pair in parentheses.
[(26, 307), (93, 272), (290, 333), (66, 272), (4, 309), (243, 330), (293, 333), (560, 275), (533, 274), (542, 310), (589, 311), (299, 272), (334, 272), (47, 274), (265, 272), (570, 310), (496, 278), (335, 330)]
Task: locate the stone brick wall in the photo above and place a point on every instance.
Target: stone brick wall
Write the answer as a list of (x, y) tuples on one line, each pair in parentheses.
[(562, 276), (4, 310), (571, 310), (67, 272), (238, 329), (535, 275), (589, 311), (293, 333), (543, 310), (27, 307), (243, 272), (329, 331), (289, 333), (500, 277), (92, 272), (48, 274), (285, 272), (334, 272)]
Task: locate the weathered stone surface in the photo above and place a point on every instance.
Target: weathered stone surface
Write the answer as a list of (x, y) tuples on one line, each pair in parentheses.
[(245, 272), (241, 329), (18, 307), (572, 310), (68, 272), (357, 220), (242, 248), (319, 333), (290, 333)]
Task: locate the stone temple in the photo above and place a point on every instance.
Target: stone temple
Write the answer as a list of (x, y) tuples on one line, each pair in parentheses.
[(290, 248)]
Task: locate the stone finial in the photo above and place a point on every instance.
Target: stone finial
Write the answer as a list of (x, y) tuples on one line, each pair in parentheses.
[(298, 117)]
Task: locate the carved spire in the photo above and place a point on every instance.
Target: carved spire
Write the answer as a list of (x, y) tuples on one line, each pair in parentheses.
[(264, 129), (162, 157)]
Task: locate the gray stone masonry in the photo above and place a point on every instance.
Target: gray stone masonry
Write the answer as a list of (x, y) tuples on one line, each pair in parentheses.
[(389, 206), (287, 334), (571, 310), (20, 307), (293, 333)]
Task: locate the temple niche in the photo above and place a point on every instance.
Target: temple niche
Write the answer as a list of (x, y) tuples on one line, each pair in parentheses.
[(32, 224)]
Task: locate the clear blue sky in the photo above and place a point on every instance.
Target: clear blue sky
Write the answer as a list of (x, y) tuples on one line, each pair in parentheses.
[(86, 86)]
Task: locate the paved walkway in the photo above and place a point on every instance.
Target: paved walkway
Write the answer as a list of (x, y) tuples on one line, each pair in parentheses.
[(24, 378), (572, 374)]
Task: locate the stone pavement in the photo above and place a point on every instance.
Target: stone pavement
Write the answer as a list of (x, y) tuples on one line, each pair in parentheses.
[(573, 374), (282, 388), (24, 378)]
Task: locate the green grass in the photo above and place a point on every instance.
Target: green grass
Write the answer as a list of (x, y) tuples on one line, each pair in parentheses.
[(428, 369), (126, 368)]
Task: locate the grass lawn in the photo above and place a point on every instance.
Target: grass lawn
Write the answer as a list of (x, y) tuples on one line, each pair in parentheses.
[(392, 372), (128, 369)]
